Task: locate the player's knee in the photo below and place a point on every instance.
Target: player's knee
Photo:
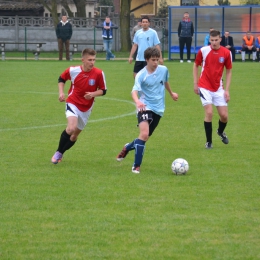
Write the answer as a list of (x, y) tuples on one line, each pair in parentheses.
[(73, 138), (144, 136), (209, 116), (224, 118), (71, 129)]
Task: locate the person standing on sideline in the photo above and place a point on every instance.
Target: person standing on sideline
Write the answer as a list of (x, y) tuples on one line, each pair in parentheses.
[(107, 34), (87, 82), (185, 33), (206, 39), (143, 39), (209, 86), (134, 30), (248, 45), (257, 45), (227, 41), (149, 96), (64, 33)]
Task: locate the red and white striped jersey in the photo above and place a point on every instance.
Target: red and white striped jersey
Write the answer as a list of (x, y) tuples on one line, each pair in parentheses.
[(82, 82), (213, 63)]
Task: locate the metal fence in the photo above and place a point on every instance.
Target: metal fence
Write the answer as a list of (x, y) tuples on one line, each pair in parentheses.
[(236, 19), (42, 29)]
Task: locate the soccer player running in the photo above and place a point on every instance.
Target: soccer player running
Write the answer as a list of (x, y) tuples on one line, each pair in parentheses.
[(87, 82), (148, 94), (209, 85), (143, 39)]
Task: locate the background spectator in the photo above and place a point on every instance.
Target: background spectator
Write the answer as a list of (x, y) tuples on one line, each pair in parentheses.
[(107, 34), (248, 45), (64, 33), (257, 45), (134, 30), (206, 40), (227, 41), (185, 33)]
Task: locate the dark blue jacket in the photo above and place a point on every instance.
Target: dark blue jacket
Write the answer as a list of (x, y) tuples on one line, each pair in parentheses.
[(64, 32), (185, 29)]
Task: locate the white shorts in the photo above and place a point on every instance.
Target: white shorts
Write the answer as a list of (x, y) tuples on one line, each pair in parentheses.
[(72, 110), (208, 97)]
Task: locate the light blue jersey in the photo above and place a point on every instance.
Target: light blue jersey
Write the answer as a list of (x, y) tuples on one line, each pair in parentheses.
[(145, 39), (151, 88)]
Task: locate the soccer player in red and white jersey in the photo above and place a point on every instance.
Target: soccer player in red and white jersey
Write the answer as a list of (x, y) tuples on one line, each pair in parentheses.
[(213, 59), (87, 82)]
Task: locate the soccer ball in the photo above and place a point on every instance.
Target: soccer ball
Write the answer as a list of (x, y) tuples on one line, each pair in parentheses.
[(180, 166)]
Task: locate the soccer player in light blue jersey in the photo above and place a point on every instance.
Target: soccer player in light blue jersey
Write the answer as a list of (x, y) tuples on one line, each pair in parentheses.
[(149, 96), (143, 39)]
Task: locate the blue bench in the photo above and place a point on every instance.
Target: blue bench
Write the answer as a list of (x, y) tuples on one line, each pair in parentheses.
[(194, 50), (176, 49)]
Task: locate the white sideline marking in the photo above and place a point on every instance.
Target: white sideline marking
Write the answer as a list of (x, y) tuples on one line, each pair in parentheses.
[(48, 126)]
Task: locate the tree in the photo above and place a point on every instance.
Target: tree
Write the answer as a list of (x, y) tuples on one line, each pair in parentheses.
[(249, 2), (51, 6), (223, 2), (125, 6), (163, 9), (81, 7)]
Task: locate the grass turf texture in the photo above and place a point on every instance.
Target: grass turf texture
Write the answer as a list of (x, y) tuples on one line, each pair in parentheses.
[(92, 207)]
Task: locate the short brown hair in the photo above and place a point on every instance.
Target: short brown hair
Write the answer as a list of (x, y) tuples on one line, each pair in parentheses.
[(89, 52), (214, 33), (151, 52)]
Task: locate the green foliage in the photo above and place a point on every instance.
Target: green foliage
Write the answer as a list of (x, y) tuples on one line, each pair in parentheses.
[(92, 207), (163, 9), (250, 2), (223, 2)]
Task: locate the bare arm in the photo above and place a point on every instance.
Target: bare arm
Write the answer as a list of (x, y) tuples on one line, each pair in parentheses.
[(61, 91), (134, 47), (159, 48), (172, 94), (139, 105), (228, 81), (90, 95), (195, 78)]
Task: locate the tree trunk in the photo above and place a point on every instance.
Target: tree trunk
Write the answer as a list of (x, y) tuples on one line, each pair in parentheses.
[(81, 7), (53, 10), (126, 43), (66, 6)]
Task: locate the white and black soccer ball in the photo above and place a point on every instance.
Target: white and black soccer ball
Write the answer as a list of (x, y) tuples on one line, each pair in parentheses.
[(180, 166)]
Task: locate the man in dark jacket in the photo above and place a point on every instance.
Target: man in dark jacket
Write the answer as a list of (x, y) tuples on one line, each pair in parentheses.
[(185, 33), (227, 41), (64, 33)]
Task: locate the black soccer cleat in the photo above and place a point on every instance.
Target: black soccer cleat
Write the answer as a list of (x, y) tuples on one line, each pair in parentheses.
[(208, 145), (223, 137)]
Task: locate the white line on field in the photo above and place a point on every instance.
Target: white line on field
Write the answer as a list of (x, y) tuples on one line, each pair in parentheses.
[(48, 126)]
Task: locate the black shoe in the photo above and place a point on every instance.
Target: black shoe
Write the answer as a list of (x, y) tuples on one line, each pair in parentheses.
[(208, 145), (223, 137)]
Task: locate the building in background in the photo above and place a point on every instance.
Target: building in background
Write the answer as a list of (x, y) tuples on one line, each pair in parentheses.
[(35, 8)]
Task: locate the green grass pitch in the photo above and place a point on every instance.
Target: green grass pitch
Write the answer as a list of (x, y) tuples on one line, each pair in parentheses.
[(92, 207)]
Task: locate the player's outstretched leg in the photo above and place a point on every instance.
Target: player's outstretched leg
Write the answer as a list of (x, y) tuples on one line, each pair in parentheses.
[(121, 156), (57, 157), (139, 153)]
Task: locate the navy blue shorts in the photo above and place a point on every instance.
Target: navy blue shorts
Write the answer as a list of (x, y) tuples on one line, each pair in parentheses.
[(149, 116), (139, 65)]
